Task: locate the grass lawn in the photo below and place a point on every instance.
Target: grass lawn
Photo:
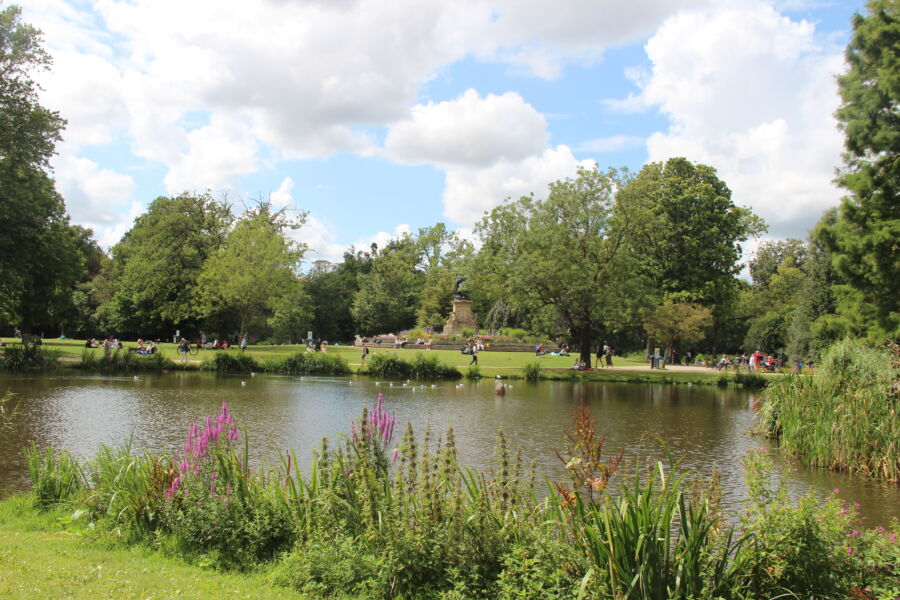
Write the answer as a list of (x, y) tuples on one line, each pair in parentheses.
[(39, 559), (505, 364)]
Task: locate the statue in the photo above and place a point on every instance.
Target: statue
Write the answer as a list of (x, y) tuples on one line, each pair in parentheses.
[(457, 293), (461, 318)]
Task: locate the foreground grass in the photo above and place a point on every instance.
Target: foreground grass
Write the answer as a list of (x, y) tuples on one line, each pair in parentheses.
[(40, 557)]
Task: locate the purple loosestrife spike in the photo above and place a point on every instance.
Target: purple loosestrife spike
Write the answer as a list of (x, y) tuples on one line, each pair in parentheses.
[(394, 455)]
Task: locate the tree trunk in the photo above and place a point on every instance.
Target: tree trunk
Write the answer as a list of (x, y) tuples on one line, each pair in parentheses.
[(585, 342)]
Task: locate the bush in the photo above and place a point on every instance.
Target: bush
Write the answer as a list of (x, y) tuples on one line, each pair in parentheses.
[(27, 357), (309, 363), (123, 361), (233, 362), (390, 366), (532, 371), (473, 373)]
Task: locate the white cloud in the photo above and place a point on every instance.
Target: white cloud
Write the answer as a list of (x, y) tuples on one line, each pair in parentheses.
[(470, 192), (282, 196), (469, 130), (320, 241), (381, 238), (218, 155), (751, 93), (95, 197)]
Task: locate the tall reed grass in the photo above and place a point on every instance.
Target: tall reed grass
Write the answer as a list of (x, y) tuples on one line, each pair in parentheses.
[(390, 366), (27, 357), (123, 361), (844, 417)]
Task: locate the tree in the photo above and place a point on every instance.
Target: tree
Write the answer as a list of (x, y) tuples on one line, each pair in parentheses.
[(569, 252), (255, 272), (690, 246), (770, 255), (39, 256), (443, 255), (28, 131), (863, 241), (388, 294), (332, 289), (158, 263), (678, 323)]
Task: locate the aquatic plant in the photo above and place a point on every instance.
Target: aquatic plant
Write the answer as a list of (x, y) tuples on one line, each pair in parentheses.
[(27, 357), (842, 417)]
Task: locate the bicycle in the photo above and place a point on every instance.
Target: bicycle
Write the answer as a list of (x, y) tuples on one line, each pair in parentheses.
[(193, 350)]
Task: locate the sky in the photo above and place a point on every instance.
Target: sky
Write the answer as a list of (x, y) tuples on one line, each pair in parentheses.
[(378, 117)]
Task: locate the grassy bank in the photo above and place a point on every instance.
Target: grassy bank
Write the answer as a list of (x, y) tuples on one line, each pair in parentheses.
[(383, 363), (44, 554), (385, 515), (844, 417)]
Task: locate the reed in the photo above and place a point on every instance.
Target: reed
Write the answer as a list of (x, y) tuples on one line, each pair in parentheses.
[(303, 363), (390, 366), (843, 417), (56, 477), (532, 371), (27, 357)]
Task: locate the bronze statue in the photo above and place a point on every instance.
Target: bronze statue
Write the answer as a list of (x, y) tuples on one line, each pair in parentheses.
[(459, 294)]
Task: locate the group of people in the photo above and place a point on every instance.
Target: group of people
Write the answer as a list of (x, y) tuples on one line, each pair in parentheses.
[(752, 362)]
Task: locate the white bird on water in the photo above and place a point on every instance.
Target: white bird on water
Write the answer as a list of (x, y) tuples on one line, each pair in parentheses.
[(243, 383), (136, 378)]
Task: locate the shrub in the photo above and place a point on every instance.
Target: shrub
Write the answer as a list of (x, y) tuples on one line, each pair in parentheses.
[(309, 363), (532, 371), (233, 362), (27, 357), (390, 366), (473, 373), (123, 361)]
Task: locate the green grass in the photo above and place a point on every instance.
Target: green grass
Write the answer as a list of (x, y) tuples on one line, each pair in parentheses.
[(45, 555), (509, 365)]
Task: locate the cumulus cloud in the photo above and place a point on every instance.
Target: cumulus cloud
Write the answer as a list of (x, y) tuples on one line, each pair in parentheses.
[(95, 197), (468, 131), (751, 93), (320, 240), (470, 192), (218, 155)]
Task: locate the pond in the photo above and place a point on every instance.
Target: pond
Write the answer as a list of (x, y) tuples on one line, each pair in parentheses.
[(701, 425)]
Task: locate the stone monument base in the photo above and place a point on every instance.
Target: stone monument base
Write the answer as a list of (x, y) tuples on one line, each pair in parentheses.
[(461, 318)]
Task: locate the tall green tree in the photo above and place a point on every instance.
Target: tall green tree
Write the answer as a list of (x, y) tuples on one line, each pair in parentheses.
[(389, 293), (255, 272), (39, 256), (863, 241), (692, 238), (158, 263), (332, 289), (569, 253)]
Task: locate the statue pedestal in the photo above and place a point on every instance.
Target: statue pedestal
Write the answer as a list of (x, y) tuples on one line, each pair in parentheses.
[(461, 318)]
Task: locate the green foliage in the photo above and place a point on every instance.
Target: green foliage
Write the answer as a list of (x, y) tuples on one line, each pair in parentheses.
[(382, 518), (124, 361), (532, 371), (473, 373), (332, 288), (307, 363), (566, 254), (388, 293), (255, 271), (153, 282), (863, 240), (678, 323), (233, 362), (422, 367), (56, 478), (844, 416), (27, 357)]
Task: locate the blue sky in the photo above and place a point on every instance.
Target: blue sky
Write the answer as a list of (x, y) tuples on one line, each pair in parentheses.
[(379, 117)]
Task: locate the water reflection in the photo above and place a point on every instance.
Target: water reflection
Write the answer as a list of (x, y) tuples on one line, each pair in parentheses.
[(703, 426)]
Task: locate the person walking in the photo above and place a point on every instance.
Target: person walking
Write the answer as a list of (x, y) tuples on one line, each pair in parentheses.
[(607, 350), (364, 352), (599, 364), (474, 350), (244, 341), (184, 347)]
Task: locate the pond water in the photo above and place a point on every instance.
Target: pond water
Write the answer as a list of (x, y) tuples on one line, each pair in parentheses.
[(702, 425)]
